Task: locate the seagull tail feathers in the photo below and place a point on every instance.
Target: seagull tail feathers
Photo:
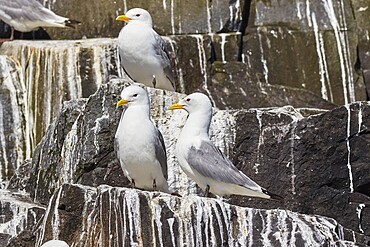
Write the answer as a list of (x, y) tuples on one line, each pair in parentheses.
[(71, 23), (272, 195)]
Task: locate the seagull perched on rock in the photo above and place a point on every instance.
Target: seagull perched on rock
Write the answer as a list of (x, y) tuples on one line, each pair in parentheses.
[(28, 15), (142, 51), (139, 145), (202, 161)]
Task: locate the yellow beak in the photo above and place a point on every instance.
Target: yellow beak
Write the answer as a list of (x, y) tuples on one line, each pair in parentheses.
[(175, 106), (122, 102), (123, 18)]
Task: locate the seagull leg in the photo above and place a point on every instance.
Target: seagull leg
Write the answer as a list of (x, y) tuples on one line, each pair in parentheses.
[(206, 194), (154, 82), (154, 185), (132, 184), (2, 40), (11, 33)]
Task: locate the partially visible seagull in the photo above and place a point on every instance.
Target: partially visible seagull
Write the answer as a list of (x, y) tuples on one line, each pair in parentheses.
[(139, 145), (28, 15), (202, 161), (142, 51), (55, 243)]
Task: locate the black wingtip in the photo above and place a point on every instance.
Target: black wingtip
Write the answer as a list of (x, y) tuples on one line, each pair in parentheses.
[(71, 23), (273, 196)]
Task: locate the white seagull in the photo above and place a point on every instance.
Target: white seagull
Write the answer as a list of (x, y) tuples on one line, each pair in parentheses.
[(139, 145), (202, 161), (28, 15), (142, 51)]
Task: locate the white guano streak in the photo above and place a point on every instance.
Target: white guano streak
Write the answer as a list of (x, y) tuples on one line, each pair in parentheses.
[(40, 239), (359, 215), (4, 167), (260, 141), (223, 42), (263, 60), (174, 56), (157, 211), (322, 59), (308, 13), (292, 162), (124, 6), (349, 148), (172, 17), (359, 117), (56, 219), (209, 16), (203, 64), (341, 40)]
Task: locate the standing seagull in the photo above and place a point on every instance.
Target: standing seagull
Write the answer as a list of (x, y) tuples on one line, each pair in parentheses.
[(202, 161), (139, 144), (142, 51), (28, 15)]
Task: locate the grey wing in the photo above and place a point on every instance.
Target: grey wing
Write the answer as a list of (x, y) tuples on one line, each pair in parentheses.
[(27, 10), (116, 149), (160, 153), (210, 162), (161, 51)]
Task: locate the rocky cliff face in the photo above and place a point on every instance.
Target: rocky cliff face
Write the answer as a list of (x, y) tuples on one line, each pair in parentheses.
[(316, 162), (278, 74)]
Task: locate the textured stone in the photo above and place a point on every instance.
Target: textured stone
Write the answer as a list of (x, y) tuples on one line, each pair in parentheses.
[(18, 214), (313, 47), (109, 216), (169, 17), (319, 161), (305, 59), (293, 53), (298, 14), (13, 130), (78, 147), (362, 12), (232, 87), (193, 55), (36, 78), (48, 155)]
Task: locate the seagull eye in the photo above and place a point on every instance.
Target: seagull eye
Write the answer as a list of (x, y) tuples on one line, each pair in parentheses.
[(187, 99), (137, 15), (135, 95)]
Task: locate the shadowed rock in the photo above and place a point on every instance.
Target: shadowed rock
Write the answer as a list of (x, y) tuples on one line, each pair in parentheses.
[(309, 41)]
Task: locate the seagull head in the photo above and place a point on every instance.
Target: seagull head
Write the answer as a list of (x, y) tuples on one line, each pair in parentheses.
[(136, 15), (193, 103), (133, 95)]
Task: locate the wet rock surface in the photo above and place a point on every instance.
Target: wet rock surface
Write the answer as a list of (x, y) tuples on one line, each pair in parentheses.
[(317, 163), (318, 37), (278, 73), (99, 216), (108, 216)]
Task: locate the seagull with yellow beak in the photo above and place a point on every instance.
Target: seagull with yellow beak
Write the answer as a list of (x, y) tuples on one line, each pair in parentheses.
[(142, 51), (139, 145), (202, 161)]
